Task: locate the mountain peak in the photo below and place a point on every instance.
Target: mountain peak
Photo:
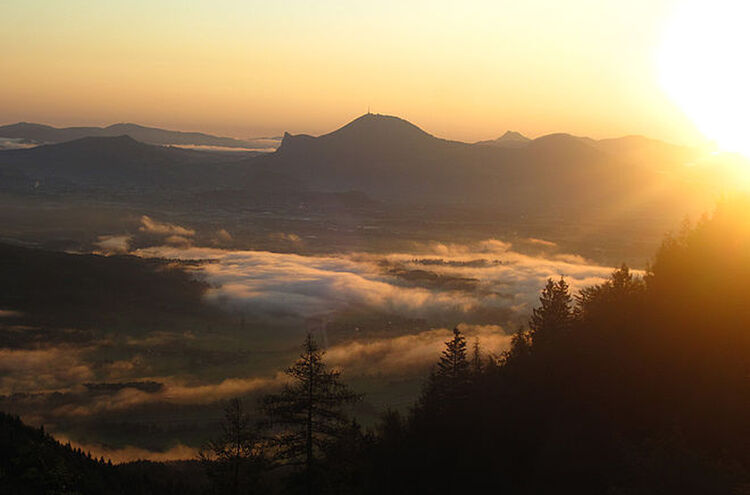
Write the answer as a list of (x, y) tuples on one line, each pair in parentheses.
[(379, 125), (371, 131), (517, 136), (511, 139)]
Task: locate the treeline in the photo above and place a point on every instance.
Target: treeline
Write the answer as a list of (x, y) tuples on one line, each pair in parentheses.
[(637, 385), (33, 462)]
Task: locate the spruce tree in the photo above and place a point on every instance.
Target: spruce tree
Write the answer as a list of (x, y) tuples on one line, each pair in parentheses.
[(554, 315), (447, 383), (233, 460), (476, 358), (613, 298), (520, 347), (308, 413), (453, 365)]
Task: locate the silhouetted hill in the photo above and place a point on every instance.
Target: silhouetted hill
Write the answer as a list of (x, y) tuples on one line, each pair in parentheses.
[(371, 128), (383, 135), (125, 170), (122, 149), (41, 134), (130, 170), (374, 153), (388, 159), (393, 159), (117, 161), (33, 462), (109, 291), (510, 139), (561, 142)]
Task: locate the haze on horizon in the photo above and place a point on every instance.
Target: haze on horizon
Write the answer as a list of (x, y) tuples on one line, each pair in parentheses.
[(465, 72)]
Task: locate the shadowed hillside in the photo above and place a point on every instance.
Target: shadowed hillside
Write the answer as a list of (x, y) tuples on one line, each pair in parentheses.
[(92, 291), (32, 462), (45, 134)]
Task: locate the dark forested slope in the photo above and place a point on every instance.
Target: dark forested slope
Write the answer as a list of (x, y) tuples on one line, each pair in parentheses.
[(34, 463), (88, 290)]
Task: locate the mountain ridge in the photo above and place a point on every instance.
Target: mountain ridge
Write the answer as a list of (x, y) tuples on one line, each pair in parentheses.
[(385, 157), (111, 161), (390, 158), (46, 134)]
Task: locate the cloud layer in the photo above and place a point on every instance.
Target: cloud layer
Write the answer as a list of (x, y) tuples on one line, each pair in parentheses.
[(311, 286)]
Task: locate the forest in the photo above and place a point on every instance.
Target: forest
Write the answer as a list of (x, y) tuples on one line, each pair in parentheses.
[(637, 385)]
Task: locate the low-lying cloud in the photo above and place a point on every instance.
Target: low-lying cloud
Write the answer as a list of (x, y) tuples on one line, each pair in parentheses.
[(411, 353), (174, 393), (151, 226), (35, 370), (113, 244), (263, 282)]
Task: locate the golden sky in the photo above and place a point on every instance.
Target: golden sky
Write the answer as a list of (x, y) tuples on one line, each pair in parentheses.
[(465, 70)]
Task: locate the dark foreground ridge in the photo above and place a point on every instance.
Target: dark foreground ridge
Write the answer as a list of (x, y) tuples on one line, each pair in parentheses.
[(32, 462)]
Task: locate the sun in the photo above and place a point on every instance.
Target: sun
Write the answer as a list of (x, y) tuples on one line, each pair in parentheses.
[(704, 64)]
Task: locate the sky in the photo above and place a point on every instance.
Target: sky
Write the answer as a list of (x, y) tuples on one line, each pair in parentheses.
[(465, 70)]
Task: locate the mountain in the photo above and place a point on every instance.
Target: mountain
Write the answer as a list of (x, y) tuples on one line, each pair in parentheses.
[(510, 139), (125, 169), (384, 157), (115, 161), (392, 159), (41, 134), (366, 135), (374, 153), (636, 149)]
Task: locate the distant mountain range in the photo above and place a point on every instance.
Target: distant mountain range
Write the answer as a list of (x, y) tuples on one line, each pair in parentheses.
[(392, 159), (383, 157), (123, 169), (34, 134)]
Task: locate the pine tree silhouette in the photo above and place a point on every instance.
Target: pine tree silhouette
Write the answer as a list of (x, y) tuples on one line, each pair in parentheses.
[(308, 413), (233, 460), (453, 365), (554, 316), (476, 358)]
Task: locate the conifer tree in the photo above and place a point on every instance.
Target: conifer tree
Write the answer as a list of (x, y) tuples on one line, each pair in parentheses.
[(554, 315), (309, 412), (453, 365), (476, 358), (233, 460), (604, 299), (520, 346), (447, 383)]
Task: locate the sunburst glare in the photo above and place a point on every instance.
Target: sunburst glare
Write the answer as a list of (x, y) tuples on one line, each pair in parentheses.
[(704, 69)]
